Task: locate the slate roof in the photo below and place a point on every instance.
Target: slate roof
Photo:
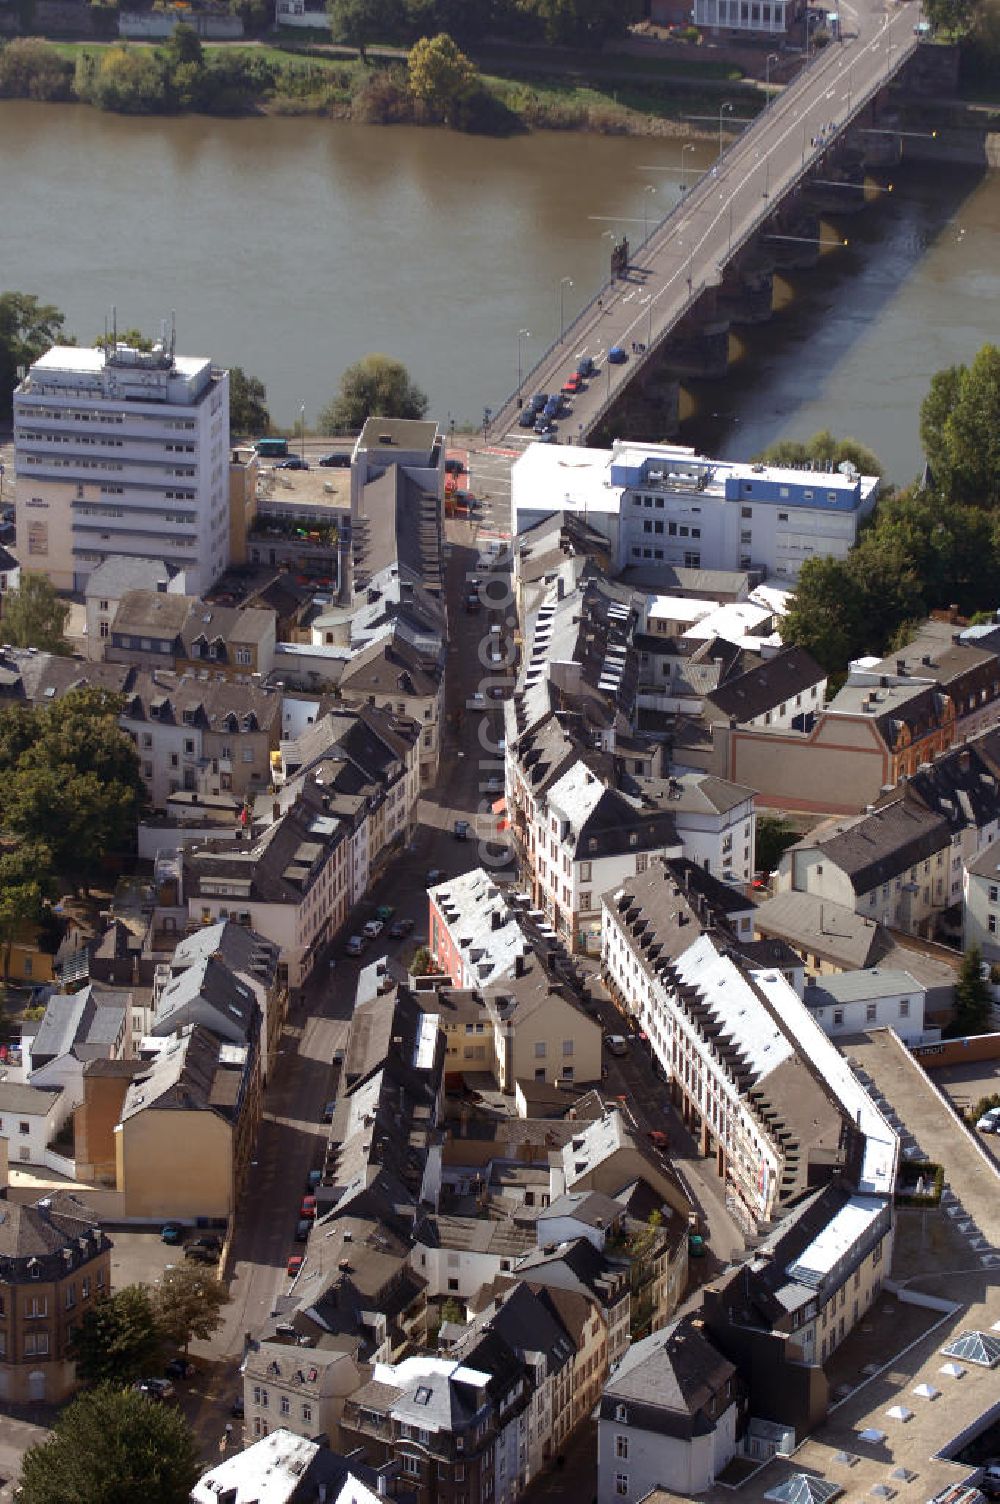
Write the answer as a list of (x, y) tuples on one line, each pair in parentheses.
[(211, 983), (32, 1101), (771, 683), (181, 1077), (830, 930), (89, 1021), (152, 613), (240, 948), (41, 678), (120, 573), (676, 1371), (604, 821), (42, 1232)]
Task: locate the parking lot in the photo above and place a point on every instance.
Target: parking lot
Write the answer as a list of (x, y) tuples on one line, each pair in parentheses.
[(140, 1257)]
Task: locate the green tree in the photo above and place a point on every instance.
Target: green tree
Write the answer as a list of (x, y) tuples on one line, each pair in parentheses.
[(248, 414), (128, 80), (27, 329), (374, 385), (826, 616), (31, 69), (960, 430), (77, 787), (112, 1446), (134, 338), (952, 16), (189, 1304), (583, 23), (184, 46), (422, 963), (118, 1340), (441, 75), (973, 1004), (25, 886), (34, 616), (822, 449), (774, 836), (358, 23)]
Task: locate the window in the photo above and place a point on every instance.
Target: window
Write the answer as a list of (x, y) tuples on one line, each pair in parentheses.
[(621, 1415), (904, 1007), (621, 1484), (85, 1288), (621, 1447), (411, 1465), (539, 1049), (838, 1018), (36, 1344), (641, 863), (567, 1046), (453, 1284), (586, 901), (992, 923), (104, 629), (285, 1405), (871, 1011), (585, 872)]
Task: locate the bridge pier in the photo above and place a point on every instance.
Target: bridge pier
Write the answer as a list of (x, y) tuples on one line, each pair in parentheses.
[(746, 294)]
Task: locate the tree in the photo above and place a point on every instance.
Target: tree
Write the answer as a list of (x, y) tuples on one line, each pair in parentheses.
[(583, 23), (31, 69), (248, 412), (134, 338), (77, 787), (27, 329), (774, 836), (973, 1004), (112, 1446), (827, 615), (119, 1340), (189, 1304), (184, 46), (822, 449), (34, 616), (25, 885), (960, 430), (376, 384), (356, 23), (440, 74)]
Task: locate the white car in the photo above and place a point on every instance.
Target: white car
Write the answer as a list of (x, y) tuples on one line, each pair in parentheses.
[(373, 929), (476, 701), (990, 1121), (616, 1044)]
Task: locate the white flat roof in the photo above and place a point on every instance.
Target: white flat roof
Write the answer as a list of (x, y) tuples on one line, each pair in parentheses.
[(678, 608), (558, 478), (427, 1033), (753, 1030), (838, 1237), (89, 360), (732, 622)]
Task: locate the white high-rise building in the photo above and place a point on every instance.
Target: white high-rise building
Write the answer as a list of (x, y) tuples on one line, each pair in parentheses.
[(125, 452)]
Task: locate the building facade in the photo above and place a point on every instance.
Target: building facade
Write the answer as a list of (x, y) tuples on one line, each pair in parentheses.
[(124, 452)]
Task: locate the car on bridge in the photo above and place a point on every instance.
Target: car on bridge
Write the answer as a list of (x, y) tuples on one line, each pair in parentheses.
[(617, 356), (585, 366), (527, 418), (538, 401)]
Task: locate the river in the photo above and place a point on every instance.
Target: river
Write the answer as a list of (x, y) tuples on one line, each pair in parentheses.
[(293, 246)]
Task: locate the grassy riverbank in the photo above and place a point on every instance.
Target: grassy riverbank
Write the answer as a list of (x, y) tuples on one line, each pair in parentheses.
[(519, 90)]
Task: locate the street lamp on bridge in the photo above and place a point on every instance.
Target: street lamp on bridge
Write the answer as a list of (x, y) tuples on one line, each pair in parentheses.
[(645, 209), (688, 147), (521, 335), (723, 107), (563, 284), (772, 57)]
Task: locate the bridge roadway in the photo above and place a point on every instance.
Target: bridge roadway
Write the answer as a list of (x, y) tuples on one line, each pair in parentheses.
[(688, 250)]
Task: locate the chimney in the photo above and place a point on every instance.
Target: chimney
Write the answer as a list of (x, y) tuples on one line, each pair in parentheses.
[(496, 919), (519, 965)]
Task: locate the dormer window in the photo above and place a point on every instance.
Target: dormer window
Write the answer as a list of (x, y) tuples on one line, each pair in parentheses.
[(621, 1414)]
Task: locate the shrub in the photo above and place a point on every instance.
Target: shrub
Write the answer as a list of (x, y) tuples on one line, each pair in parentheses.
[(383, 98), (30, 69)]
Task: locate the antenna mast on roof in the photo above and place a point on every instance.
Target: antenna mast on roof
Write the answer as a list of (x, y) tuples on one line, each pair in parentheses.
[(114, 323), (173, 332)]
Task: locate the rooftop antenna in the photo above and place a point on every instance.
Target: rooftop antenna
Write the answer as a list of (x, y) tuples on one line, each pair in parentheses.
[(173, 332), (114, 323)]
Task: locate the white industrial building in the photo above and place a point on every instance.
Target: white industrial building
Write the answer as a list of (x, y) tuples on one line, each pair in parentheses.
[(665, 504), (122, 452)]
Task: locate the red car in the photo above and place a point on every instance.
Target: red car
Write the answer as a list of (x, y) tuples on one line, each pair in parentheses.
[(294, 1264), (572, 386), (658, 1138), (308, 1207)]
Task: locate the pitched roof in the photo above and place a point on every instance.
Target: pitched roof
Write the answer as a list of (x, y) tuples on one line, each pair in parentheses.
[(765, 687), (676, 1369), (876, 848), (182, 1077), (119, 573), (55, 1223)]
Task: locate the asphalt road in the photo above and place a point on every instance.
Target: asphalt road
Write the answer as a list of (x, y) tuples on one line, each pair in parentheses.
[(687, 251)]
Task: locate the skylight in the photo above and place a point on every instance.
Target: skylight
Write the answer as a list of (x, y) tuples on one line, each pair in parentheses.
[(975, 1347), (804, 1488)]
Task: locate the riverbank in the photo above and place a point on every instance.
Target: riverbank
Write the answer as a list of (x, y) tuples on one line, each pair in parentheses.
[(606, 96)]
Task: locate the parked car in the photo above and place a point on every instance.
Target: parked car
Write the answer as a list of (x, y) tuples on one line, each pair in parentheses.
[(476, 701), (526, 417), (434, 875), (548, 437), (401, 929), (314, 1177), (172, 1233), (180, 1368), (335, 461), (472, 602), (616, 1044), (293, 462), (295, 1262), (303, 1228), (354, 946), (384, 912), (543, 425), (196, 1254), (990, 1121), (696, 1246), (572, 385), (461, 830), (208, 1241), (328, 1112), (538, 401), (156, 1389), (658, 1138), (373, 929), (454, 467), (308, 1207), (585, 366)]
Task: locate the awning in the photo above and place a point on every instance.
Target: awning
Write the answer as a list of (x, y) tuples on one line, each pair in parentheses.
[(499, 806)]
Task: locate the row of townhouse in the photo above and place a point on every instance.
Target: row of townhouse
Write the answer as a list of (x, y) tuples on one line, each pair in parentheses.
[(589, 802), (760, 1085), (313, 847), (901, 862)]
